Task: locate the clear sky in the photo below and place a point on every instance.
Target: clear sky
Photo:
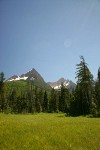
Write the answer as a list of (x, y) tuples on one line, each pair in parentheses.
[(50, 36)]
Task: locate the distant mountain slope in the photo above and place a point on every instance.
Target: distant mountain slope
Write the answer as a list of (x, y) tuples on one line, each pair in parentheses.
[(28, 76), (39, 81), (67, 83), (32, 73)]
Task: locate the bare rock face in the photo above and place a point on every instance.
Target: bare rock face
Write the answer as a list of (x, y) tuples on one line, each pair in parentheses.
[(67, 83), (28, 75), (33, 73), (39, 81)]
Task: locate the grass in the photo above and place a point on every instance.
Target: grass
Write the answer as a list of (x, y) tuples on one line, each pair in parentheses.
[(48, 132)]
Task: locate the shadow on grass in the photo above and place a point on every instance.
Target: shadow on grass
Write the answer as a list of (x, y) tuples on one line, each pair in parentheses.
[(61, 116)]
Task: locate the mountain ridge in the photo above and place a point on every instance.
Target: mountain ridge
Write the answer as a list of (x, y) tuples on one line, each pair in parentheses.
[(39, 80), (66, 82), (28, 75)]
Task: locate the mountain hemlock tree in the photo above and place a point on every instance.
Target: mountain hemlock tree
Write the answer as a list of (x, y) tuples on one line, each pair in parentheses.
[(37, 101), (97, 92), (54, 101), (45, 103), (84, 89), (64, 100), (41, 98), (2, 93), (13, 100)]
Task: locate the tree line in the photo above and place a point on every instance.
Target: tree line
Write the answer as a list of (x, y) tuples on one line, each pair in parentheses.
[(83, 100)]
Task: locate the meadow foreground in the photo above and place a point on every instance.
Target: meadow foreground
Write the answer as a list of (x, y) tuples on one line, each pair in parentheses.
[(48, 132)]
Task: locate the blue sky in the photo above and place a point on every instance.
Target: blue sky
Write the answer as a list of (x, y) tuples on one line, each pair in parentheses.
[(50, 36)]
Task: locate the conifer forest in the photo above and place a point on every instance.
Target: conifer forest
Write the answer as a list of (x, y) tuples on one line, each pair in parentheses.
[(24, 97)]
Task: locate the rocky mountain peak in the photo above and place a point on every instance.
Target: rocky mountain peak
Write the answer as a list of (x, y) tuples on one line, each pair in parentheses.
[(67, 83), (33, 73), (28, 75)]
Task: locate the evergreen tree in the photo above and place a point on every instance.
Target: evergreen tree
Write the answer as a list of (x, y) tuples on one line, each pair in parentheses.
[(3, 103), (76, 106), (18, 104), (41, 97), (30, 101), (73, 110), (97, 92), (99, 75), (13, 100), (84, 89), (37, 101), (45, 103), (97, 89), (64, 100), (23, 104), (53, 104)]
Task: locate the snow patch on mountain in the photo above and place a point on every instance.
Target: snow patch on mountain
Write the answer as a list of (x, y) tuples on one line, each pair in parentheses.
[(57, 85), (18, 78), (28, 75)]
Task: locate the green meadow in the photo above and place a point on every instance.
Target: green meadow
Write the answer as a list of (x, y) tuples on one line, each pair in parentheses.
[(48, 132)]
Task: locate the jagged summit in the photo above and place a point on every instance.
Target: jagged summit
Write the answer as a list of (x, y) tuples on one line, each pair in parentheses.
[(32, 73), (61, 80), (28, 76), (39, 81), (67, 83)]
